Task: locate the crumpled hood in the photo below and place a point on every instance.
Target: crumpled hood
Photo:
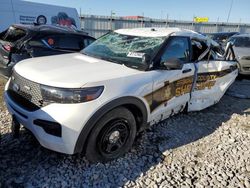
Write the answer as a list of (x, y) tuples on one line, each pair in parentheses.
[(241, 52), (70, 70)]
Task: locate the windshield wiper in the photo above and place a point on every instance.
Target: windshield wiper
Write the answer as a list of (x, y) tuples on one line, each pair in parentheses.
[(112, 60), (103, 58), (91, 55)]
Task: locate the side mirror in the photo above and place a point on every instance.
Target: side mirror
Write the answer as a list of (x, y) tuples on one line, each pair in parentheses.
[(172, 64), (146, 59)]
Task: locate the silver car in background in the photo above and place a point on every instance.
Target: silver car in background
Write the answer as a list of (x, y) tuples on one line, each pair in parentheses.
[(242, 51)]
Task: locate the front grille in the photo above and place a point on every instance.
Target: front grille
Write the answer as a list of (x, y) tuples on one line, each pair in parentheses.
[(25, 92)]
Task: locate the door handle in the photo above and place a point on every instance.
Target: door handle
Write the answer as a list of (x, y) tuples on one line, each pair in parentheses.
[(186, 71)]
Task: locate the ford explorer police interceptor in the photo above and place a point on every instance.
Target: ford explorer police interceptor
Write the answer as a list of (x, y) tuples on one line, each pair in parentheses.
[(97, 101)]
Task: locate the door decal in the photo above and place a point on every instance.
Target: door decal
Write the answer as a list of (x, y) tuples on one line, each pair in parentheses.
[(168, 91), (184, 86), (208, 79)]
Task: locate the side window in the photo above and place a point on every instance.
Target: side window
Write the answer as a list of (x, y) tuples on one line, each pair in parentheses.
[(177, 48), (51, 41), (88, 41), (36, 43), (70, 43), (65, 42), (75, 43), (198, 47)]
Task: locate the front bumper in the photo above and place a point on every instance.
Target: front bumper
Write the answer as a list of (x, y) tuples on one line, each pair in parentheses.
[(71, 117)]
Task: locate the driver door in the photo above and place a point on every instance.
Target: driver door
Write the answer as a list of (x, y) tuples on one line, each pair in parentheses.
[(171, 88)]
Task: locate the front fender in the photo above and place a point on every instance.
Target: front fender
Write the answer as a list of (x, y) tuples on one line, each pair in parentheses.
[(81, 141)]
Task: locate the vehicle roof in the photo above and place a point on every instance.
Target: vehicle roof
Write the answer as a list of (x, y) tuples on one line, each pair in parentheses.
[(223, 33), (50, 28), (242, 35), (160, 32)]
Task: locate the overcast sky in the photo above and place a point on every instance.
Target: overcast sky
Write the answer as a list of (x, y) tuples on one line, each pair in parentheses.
[(175, 9)]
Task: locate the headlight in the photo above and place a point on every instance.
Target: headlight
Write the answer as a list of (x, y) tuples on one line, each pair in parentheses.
[(63, 95)]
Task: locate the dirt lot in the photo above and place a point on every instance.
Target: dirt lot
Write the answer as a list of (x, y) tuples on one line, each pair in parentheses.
[(210, 148)]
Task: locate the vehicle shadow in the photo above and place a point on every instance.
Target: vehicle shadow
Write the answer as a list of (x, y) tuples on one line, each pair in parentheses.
[(242, 77), (23, 162)]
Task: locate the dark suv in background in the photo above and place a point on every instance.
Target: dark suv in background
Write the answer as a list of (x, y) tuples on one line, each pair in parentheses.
[(221, 37), (20, 42)]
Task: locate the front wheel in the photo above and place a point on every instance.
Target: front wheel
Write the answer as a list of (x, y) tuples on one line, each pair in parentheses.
[(112, 136)]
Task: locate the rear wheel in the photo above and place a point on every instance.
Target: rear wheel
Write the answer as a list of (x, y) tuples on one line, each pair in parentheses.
[(112, 136)]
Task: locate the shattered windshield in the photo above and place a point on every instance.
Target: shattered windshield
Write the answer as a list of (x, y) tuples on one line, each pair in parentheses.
[(124, 49)]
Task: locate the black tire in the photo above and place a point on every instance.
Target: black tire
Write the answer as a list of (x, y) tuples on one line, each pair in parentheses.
[(105, 143)]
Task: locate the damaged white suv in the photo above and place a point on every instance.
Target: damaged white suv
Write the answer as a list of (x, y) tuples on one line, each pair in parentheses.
[(98, 100)]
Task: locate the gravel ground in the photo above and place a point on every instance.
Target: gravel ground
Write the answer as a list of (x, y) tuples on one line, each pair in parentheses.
[(240, 89), (2, 83), (210, 148)]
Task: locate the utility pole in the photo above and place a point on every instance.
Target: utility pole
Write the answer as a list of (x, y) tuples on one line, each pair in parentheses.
[(217, 29), (239, 25), (80, 18), (230, 9), (142, 20), (111, 20), (193, 21), (167, 21)]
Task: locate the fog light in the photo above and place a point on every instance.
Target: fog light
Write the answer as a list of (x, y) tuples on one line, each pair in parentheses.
[(49, 127)]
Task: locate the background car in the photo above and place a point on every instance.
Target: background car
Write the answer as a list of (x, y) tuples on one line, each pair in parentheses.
[(221, 37), (20, 42), (242, 51)]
